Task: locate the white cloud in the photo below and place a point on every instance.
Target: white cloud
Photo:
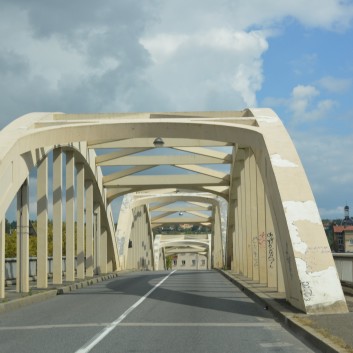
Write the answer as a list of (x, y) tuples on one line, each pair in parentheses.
[(332, 213), (218, 67), (304, 107), (335, 85)]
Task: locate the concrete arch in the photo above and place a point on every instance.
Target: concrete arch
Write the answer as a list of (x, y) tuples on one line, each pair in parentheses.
[(266, 169), (135, 200)]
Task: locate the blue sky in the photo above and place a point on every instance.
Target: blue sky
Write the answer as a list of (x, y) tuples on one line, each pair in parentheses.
[(295, 57)]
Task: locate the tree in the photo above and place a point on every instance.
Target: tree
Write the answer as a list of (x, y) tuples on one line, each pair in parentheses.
[(168, 262)]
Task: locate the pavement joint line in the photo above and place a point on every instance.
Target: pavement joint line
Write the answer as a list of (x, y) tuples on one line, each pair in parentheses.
[(142, 324), (284, 315)]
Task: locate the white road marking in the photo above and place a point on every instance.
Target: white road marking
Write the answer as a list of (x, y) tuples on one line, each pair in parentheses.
[(275, 344), (97, 338)]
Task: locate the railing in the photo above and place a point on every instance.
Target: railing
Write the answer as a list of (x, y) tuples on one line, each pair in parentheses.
[(11, 267), (343, 261), (344, 265)]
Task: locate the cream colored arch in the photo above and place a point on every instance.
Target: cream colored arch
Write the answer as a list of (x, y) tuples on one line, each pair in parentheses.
[(135, 200), (280, 192)]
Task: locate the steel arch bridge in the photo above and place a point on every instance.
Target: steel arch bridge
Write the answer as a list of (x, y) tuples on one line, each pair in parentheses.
[(241, 174)]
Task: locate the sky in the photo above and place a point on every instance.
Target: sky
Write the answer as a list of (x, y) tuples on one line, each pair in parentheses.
[(295, 57)]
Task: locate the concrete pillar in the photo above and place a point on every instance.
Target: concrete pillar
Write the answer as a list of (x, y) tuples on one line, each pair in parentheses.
[(156, 251), (70, 217), (2, 258), (261, 228), (253, 219), (271, 249), (236, 254), (243, 240), (97, 237), (110, 255), (57, 216), (22, 279), (80, 209), (42, 224), (89, 228), (240, 217), (217, 242), (103, 251), (209, 252), (280, 279), (249, 263)]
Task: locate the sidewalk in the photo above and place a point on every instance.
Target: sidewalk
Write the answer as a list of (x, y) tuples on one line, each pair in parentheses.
[(329, 333), (14, 300)]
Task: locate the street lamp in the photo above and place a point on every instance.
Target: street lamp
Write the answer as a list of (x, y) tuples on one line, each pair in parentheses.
[(158, 142)]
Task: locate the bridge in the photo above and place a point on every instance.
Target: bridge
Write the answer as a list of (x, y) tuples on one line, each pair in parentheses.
[(237, 172)]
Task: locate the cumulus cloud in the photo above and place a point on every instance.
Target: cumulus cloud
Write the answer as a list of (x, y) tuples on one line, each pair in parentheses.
[(216, 68)]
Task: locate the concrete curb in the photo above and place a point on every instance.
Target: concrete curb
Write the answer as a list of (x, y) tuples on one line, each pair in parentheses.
[(29, 299), (287, 317)]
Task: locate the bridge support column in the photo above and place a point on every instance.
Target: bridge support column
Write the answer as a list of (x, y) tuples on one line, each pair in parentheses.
[(97, 236), (248, 234), (89, 228), (236, 233), (253, 218), (80, 201), (242, 203), (57, 216), (42, 224), (209, 252), (217, 239), (2, 258), (156, 251), (22, 279), (261, 228), (271, 249), (70, 218), (103, 251)]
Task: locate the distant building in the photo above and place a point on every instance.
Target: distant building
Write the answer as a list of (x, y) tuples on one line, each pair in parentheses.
[(189, 261), (343, 234)]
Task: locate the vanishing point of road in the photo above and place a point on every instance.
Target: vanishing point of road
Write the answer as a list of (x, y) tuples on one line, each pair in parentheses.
[(149, 312)]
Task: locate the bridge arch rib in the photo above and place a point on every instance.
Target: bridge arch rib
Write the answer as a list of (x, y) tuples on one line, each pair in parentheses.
[(216, 243), (273, 221)]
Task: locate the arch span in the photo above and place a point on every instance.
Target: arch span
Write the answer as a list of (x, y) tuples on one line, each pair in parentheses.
[(274, 231)]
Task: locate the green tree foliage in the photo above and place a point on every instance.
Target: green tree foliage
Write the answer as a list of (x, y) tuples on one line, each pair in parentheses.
[(11, 239), (168, 262)]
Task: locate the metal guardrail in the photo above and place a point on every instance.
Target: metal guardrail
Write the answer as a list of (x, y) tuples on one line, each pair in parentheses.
[(11, 267), (343, 261), (344, 265)]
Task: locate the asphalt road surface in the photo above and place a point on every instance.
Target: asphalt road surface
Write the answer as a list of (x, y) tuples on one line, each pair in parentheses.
[(149, 312)]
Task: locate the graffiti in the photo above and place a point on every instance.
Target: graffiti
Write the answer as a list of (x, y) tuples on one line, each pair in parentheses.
[(262, 239), (307, 291), (270, 250)]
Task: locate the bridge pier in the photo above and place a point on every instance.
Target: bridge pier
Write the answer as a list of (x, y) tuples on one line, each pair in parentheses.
[(57, 216), (70, 217), (2, 258), (22, 281), (42, 224), (89, 228), (80, 200)]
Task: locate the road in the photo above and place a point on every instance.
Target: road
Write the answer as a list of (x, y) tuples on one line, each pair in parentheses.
[(149, 312)]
